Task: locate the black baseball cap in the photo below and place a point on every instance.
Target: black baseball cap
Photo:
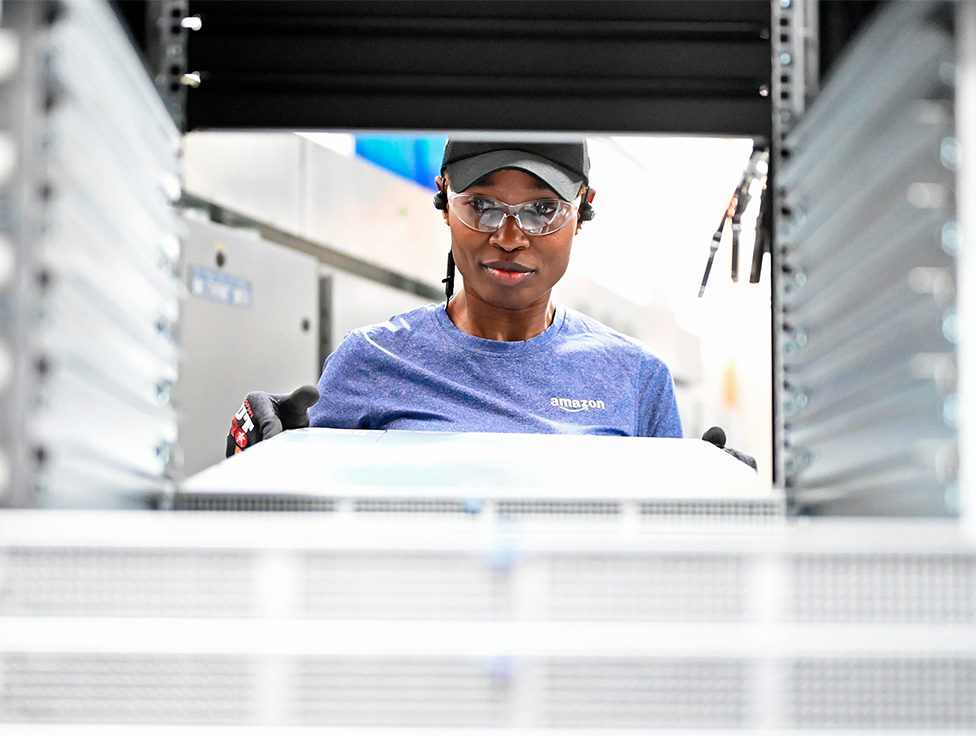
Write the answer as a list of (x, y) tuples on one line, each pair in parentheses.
[(564, 167)]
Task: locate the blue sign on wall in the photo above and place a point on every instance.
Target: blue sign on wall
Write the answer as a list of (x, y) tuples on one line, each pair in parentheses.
[(417, 158), (209, 283)]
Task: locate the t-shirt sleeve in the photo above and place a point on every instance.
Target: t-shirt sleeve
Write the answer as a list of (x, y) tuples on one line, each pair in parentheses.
[(345, 393), (658, 405)]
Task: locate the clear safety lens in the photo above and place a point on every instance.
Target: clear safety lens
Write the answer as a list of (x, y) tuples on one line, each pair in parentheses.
[(538, 217)]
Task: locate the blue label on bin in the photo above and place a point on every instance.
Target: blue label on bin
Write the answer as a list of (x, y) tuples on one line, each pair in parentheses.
[(209, 283)]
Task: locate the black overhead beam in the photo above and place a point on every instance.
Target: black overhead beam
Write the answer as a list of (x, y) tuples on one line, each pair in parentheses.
[(692, 67)]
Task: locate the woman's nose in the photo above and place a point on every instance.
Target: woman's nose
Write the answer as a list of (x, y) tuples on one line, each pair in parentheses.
[(509, 236)]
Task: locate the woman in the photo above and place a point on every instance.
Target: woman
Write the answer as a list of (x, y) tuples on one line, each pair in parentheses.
[(499, 355)]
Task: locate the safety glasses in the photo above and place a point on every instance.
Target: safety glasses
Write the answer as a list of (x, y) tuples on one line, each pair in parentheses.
[(486, 215)]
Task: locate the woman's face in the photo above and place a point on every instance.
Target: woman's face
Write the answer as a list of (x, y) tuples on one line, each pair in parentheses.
[(507, 268)]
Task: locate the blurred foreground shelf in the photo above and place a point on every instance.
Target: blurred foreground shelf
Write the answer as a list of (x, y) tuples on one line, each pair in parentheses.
[(336, 621)]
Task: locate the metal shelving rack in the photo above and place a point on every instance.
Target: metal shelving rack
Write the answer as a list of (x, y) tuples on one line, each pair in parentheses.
[(89, 243), (145, 620), (868, 240)]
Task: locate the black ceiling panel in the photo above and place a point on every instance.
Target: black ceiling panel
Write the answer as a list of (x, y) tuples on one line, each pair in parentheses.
[(667, 66)]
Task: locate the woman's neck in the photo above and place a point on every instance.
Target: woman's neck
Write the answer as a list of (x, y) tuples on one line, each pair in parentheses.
[(472, 315)]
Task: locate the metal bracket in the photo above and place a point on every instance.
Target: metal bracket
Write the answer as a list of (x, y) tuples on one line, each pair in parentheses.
[(795, 80), (166, 39)]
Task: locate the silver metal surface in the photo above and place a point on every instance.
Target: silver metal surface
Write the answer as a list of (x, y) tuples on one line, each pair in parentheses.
[(227, 350), (253, 173), (793, 83), (867, 295), (530, 476), (966, 259), (364, 210), (21, 95), (195, 619), (166, 53), (92, 294)]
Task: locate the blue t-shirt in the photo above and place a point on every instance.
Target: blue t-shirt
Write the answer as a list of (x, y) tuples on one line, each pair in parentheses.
[(418, 371)]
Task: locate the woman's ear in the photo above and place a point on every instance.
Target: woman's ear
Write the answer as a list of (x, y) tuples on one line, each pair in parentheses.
[(440, 199), (590, 196), (586, 209)]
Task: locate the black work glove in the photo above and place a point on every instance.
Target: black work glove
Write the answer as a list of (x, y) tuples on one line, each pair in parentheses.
[(716, 435), (262, 416)]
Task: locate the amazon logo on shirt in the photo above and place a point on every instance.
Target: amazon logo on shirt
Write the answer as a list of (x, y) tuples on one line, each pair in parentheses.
[(574, 405)]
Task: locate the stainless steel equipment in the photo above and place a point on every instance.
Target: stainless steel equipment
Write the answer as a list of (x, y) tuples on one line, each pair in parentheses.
[(88, 247), (615, 480), (868, 238), (427, 618), (249, 322)]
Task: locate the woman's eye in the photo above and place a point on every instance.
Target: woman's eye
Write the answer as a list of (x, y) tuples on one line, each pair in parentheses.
[(482, 205), (544, 208)]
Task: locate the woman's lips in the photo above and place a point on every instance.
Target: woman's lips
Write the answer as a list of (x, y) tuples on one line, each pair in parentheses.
[(508, 273)]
